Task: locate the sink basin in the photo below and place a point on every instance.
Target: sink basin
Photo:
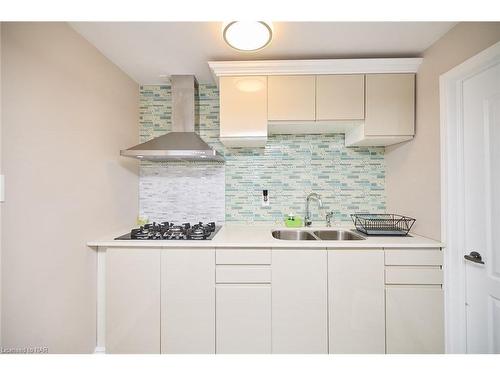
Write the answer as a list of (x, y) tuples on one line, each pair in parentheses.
[(338, 235), (325, 235), (293, 235)]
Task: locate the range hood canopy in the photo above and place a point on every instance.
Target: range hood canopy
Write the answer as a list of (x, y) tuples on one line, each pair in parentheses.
[(182, 144)]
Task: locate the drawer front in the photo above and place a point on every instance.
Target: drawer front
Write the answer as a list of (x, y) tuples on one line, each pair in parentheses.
[(413, 275), (414, 257), (244, 256), (243, 275)]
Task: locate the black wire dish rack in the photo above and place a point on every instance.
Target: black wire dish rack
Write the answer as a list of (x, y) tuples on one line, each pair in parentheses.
[(383, 224)]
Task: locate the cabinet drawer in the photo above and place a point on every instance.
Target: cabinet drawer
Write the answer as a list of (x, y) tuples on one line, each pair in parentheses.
[(247, 256), (243, 274), (413, 275), (414, 257)]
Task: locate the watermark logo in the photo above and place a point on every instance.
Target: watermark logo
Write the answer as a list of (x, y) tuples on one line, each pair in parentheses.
[(25, 350)]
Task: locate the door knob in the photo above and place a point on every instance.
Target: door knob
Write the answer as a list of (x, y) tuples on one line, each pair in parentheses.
[(475, 257)]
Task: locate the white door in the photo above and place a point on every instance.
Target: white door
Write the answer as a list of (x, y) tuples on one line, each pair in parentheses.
[(356, 286), (188, 301), (133, 301), (414, 319), (299, 301), (481, 140), (243, 319)]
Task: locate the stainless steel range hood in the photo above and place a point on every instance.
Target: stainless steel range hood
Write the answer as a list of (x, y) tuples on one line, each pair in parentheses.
[(182, 143)]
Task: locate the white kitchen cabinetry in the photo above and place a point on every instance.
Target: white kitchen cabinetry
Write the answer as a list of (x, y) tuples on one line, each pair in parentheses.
[(243, 318), (233, 256), (390, 104), (299, 301), (389, 112), (291, 98), (243, 301), (258, 300), (243, 111), (188, 301), (414, 301), (340, 97), (414, 319), (132, 300), (356, 301), (371, 101)]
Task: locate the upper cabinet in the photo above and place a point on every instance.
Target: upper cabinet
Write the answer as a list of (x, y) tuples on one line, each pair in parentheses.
[(340, 97), (243, 111), (291, 98), (376, 108), (390, 111), (390, 104)]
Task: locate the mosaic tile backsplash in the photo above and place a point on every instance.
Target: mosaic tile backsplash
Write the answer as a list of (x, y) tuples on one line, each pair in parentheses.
[(348, 179)]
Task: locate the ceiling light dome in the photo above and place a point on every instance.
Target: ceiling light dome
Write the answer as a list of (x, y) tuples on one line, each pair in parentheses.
[(247, 35)]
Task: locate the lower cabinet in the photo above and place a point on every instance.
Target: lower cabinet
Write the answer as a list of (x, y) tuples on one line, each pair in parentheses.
[(272, 301), (132, 300), (299, 301), (414, 319), (243, 318), (160, 301), (356, 301), (188, 301)]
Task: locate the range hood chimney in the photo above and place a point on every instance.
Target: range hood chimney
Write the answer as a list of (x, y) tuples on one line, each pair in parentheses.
[(182, 143)]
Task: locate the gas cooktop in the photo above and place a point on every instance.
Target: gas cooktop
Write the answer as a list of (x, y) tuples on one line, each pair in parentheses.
[(171, 231)]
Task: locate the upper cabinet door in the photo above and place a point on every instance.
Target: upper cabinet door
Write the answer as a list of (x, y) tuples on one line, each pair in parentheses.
[(243, 107), (340, 97), (291, 98), (390, 105)]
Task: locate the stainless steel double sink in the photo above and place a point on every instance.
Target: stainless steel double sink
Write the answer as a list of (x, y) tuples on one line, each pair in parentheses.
[(324, 234)]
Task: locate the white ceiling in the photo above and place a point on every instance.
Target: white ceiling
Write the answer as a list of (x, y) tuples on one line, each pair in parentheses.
[(148, 50)]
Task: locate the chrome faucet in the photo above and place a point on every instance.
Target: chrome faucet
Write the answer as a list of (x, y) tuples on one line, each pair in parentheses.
[(307, 218), (329, 217)]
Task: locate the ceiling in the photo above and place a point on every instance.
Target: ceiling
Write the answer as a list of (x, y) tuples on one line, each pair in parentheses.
[(146, 51)]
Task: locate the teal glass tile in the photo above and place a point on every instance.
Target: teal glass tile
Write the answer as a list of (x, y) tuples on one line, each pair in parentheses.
[(289, 167)]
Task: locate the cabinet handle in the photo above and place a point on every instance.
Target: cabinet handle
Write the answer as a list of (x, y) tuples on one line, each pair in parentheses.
[(475, 257)]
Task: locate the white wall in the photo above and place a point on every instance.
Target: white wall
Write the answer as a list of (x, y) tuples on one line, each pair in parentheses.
[(413, 168), (67, 111)]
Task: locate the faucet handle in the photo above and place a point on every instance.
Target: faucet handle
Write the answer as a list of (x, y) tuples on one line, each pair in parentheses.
[(329, 217)]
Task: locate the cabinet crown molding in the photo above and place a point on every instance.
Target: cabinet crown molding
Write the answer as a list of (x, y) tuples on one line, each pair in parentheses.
[(313, 67)]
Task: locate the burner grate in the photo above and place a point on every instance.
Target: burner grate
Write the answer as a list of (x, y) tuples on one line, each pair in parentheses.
[(171, 231)]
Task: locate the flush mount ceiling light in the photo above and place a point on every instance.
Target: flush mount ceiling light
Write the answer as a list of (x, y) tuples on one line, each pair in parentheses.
[(247, 35)]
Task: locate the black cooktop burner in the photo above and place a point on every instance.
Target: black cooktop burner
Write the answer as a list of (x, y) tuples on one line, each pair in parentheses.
[(170, 231)]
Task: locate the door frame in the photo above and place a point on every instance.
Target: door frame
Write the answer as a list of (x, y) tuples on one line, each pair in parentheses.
[(453, 194)]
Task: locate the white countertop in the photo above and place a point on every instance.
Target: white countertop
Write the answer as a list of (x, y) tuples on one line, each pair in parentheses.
[(259, 235)]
